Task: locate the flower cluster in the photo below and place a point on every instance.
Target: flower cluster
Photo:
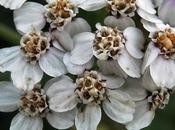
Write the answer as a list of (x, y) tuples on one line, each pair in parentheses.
[(116, 67)]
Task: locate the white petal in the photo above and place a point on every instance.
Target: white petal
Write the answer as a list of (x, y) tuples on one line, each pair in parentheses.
[(22, 122), (113, 82), (134, 41), (151, 27), (59, 85), (89, 118), (163, 72), (121, 23), (119, 107), (142, 116), (77, 2), (12, 4), (146, 5), (62, 120), (78, 25), (9, 97), (135, 89), (150, 55), (29, 16), (111, 67), (26, 75), (64, 39), (166, 12), (76, 69), (129, 64), (148, 82), (52, 62), (147, 16), (9, 58), (63, 102), (91, 5), (82, 52), (57, 45), (61, 95)]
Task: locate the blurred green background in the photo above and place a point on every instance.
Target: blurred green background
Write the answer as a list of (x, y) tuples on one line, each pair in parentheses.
[(164, 120)]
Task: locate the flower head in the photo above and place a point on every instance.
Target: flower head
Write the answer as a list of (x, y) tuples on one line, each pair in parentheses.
[(159, 98), (117, 42), (108, 43), (159, 56), (33, 102), (34, 56), (154, 97), (33, 105), (119, 45), (34, 44), (122, 7), (91, 90), (58, 13)]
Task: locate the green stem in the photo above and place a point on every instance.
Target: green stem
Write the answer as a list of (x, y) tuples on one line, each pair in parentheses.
[(9, 35)]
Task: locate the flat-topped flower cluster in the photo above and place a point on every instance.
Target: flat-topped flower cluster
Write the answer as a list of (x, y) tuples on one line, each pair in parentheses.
[(117, 67)]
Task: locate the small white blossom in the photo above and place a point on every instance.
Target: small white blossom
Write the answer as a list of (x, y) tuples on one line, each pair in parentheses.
[(72, 37), (115, 7), (56, 12), (148, 102), (160, 56), (124, 48), (91, 90), (33, 105), (117, 42), (34, 56), (12, 4)]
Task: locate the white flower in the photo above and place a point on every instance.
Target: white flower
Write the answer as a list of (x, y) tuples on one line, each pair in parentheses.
[(57, 12), (147, 103), (12, 4), (34, 56), (74, 41), (156, 12), (91, 90), (33, 105), (160, 56), (117, 47), (115, 7), (123, 48)]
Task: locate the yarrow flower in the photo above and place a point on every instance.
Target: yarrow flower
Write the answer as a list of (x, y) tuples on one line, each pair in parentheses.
[(157, 97), (34, 56), (122, 45), (91, 90), (159, 56), (58, 13), (33, 105), (118, 7)]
